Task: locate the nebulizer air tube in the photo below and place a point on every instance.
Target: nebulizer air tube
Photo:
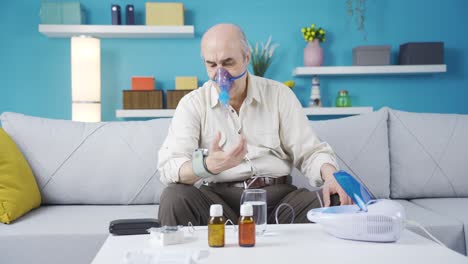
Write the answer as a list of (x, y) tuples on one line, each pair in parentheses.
[(292, 209), (255, 177)]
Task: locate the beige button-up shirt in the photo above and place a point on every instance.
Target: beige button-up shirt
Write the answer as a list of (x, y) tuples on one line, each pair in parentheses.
[(271, 118)]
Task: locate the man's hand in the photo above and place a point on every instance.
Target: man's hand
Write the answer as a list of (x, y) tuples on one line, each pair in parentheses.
[(332, 186), (219, 160)]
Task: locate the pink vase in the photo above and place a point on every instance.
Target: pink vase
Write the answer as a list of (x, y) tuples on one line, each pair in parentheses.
[(313, 54)]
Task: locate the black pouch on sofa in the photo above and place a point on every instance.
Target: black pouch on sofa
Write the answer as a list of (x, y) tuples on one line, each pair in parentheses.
[(132, 226)]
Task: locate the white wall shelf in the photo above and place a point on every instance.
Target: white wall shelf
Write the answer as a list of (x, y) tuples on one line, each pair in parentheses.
[(369, 70), (310, 111), (329, 111), (117, 31), (124, 113)]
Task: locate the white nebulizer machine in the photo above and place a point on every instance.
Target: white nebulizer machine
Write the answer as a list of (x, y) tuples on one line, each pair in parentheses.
[(368, 219)]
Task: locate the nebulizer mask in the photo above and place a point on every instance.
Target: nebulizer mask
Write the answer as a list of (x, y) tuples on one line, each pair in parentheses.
[(225, 81)]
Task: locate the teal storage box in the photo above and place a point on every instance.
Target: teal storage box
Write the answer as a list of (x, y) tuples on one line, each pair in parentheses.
[(69, 13)]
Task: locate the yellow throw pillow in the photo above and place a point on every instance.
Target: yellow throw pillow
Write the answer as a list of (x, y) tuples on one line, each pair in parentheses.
[(19, 193)]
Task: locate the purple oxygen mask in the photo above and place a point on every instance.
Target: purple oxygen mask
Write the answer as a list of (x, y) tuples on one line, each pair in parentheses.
[(224, 80)]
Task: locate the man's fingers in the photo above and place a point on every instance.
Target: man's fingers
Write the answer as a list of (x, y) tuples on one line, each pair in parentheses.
[(215, 144), (234, 150), (238, 149), (344, 198), (326, 196)]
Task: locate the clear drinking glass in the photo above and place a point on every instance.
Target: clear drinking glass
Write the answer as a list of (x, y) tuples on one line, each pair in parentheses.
[(257, 198)]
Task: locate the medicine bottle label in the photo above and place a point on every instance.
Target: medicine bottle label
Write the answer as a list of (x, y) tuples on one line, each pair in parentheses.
[(216, 235)]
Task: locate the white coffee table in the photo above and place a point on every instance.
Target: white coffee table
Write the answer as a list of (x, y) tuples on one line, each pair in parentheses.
[(298, 243)]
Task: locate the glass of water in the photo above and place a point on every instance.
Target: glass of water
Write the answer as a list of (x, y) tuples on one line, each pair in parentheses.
[(257, 198)]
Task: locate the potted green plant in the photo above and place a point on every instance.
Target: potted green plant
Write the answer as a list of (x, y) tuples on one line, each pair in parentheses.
[(260, 58), (313, 53)]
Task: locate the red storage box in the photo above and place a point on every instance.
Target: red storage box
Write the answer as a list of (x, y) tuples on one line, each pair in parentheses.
[(143, 83)]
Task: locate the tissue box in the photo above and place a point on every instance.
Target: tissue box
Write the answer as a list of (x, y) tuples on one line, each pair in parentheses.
[(174, 96), (164, 14), (70, 13), (186, 82), (142, 99), (371, 55), (420, 53), (144, 83)]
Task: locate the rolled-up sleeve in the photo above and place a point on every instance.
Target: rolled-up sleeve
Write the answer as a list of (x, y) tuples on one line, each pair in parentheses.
[(307, 152), (182, 138)]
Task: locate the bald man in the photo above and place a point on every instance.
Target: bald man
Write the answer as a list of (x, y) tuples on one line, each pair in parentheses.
[(251, 141)]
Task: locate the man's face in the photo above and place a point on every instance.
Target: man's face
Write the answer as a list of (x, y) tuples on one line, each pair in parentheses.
[(224, 54)]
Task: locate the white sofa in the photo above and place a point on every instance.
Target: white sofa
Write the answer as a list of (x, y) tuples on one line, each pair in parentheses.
[(90, 174)]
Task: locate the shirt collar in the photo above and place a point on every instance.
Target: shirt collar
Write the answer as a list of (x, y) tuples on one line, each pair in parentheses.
[(252, 92), (214, 94)]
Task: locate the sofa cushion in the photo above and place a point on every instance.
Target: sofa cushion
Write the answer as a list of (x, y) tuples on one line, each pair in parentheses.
[(426, 154), (361, 145), (91, 163), (77, 232), (18, 189), (447, 229), (455, 208)]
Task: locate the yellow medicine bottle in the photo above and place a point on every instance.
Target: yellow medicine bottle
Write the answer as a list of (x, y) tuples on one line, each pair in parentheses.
[(216, 225)]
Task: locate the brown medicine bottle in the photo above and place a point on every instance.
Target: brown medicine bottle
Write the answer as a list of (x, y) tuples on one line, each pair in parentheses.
[(216, 225), (246, 226)]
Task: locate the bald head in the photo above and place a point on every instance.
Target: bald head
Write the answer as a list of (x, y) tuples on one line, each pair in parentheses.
[(224, 45), (225, 36)]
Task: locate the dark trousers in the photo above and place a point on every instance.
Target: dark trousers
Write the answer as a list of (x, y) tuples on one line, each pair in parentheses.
[(181, 203)]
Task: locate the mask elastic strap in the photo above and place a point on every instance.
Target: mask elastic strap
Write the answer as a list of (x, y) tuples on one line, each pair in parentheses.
[(237, 77)]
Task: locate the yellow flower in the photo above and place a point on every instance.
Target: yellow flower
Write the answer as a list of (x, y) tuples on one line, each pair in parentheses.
[(313, 32), (289, 83)]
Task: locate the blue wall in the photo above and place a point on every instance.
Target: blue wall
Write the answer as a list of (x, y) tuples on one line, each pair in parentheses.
[(35, 70)]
